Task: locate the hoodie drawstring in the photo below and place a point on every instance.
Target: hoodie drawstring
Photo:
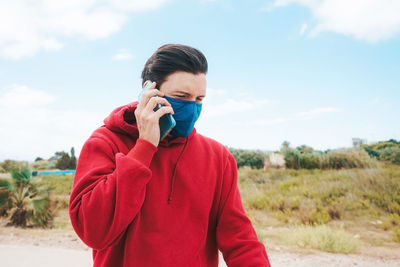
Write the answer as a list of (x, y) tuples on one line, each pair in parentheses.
[(174, 172)]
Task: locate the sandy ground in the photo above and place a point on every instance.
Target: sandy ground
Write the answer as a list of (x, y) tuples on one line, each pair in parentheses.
[(29, 256), (35, 247)]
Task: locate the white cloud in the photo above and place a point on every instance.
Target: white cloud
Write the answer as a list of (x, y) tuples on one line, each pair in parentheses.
[(215, 93), (27, 27), (303, 28), (368, 20), (33, 125), (231, 105), (123, 54), (315, 113), (22, 96), (299, 116), (219, 103)]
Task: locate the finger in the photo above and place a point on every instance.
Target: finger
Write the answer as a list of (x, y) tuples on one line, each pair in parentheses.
[(163, 110), (152, 86), (145, 87), (148, 94), (154, 101)]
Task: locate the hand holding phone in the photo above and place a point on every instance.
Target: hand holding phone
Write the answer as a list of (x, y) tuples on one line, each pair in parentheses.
[(153, 106)]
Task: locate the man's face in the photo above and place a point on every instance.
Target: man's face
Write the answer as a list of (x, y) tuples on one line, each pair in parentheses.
[(185, 86)]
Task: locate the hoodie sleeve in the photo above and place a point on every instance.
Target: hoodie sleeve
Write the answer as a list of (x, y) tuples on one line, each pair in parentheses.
[(108, 191), (236, 237)]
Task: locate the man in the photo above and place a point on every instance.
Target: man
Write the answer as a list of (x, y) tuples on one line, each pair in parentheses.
[(139, 201)]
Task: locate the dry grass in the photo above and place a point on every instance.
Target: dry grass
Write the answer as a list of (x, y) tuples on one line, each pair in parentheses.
[(322, 237), (362, 202)]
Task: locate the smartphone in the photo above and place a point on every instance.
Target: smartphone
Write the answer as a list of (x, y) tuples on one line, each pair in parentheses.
[(167, 122)]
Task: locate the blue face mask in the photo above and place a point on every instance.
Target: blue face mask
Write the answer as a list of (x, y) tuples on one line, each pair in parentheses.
[(186, 114)]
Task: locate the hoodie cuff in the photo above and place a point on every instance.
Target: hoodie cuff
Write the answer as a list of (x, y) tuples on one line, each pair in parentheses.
[(143, 151)]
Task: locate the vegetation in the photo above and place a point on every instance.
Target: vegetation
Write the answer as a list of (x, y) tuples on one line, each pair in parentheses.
[(323, 238), (8, 165), (5, 200), (251, 158), (24, 202), (319, 196), (322, 197), (61, 160), (64, 160), (304, 157), (43, 165), (61, 187), (388, 151), (313, 200)]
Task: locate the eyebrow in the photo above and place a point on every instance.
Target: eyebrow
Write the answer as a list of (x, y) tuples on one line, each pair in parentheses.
[(186, 93)]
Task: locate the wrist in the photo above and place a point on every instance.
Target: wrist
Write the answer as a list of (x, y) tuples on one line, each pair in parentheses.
[(143, 151), (152, 141)]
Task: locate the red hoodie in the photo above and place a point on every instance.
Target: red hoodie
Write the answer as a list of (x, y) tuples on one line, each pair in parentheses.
[(172, 205)]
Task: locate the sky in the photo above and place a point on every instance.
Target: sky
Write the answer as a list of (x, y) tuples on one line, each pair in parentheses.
[(311, 72)]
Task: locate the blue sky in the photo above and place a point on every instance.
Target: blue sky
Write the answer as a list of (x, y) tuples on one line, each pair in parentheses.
[(314, 72)]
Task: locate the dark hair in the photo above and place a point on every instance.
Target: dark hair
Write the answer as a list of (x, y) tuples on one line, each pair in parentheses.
[(171, 58)]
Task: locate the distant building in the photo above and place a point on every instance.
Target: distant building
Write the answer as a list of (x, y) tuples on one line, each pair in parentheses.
[(357, 142), (274, 160)]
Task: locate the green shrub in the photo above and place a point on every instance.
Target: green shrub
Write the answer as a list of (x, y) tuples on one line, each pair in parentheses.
[(294, 203), (391, 221), (40, 165), (315, 216), (323, 238), (320, 215), (292, 158), (8, 165), (281, 216), (310, 161), (5, 200), (26, 201), (396, 234), (60, 184), (320, 196), (333, 159), (383, 145), (258, 203), (350, 158), (372, 152), (252, 158), (391, 154), (388, 151)]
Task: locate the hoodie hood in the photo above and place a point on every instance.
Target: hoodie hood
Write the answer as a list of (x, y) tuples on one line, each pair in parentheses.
[(122, 120)]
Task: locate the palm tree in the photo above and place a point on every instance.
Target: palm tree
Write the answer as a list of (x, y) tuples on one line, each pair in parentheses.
[(28, 203), (5, 200)]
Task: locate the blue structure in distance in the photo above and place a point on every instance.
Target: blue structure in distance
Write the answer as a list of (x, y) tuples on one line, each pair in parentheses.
[(35, 173)]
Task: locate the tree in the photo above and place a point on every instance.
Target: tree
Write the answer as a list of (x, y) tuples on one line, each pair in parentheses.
[(72, 152), (25, 201), (73, 159), (285, 145), (64, 160), (305, 149)]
